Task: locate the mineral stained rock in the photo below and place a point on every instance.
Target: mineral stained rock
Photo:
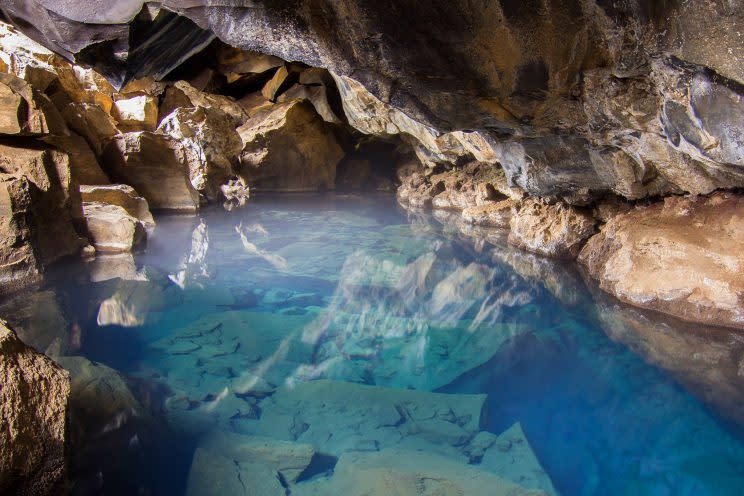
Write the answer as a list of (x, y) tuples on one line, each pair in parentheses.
[(33, 403), (681, 256)]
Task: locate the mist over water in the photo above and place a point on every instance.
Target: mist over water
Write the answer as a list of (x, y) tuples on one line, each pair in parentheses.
[(351, 326)]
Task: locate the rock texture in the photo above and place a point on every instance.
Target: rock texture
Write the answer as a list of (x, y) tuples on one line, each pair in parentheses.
[(288, 147), (33, 401), (680, 256)]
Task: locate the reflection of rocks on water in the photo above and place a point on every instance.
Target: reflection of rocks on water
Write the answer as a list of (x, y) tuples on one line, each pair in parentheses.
[(707, 361), (39, 322)]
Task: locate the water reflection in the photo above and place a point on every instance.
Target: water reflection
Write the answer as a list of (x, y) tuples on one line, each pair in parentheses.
[(312, 345)]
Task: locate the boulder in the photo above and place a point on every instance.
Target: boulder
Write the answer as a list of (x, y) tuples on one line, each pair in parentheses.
[(679, 256), (211, 146), (92, 123), (288, 147), (40, 202), (136, 112), (111, 228), (123, 196), (156, 166), (317, 95), (557, 230), (33, 403), (83, 162)]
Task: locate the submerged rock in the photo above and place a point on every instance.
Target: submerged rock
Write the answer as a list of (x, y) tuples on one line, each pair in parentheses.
[(552, 230), (680, 256), (33, 406), (288, 147)]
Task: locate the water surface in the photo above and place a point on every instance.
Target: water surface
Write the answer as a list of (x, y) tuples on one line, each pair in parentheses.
[(376, 336)]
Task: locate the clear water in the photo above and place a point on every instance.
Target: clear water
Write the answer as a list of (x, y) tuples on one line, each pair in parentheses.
[(221, 325)]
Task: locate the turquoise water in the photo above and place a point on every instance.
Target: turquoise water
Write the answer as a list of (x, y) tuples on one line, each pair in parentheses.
[(354, 339)]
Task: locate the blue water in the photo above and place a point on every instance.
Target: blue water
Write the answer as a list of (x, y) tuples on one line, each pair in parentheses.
[(225, 314)]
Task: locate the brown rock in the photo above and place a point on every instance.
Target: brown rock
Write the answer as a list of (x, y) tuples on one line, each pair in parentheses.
[(40, 200), (111, 229), (211, 146), (288, 147), (26, 111), (282, 80), (123, 196), (83, 162), (33, 406), (496, 214), (317, 95), (681, 256), (156, 166), (19, 264), (196, 98), (92, 123), (235, 63), (557, 230)]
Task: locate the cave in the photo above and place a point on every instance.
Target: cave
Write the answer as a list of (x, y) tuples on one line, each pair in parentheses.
[(341, 247)]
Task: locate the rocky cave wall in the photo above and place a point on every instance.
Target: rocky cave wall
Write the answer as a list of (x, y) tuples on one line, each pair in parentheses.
[(554, 119)]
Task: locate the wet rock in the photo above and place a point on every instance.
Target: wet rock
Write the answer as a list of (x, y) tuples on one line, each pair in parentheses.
[(33, 402), (678, 256), (496, 214), (156, 166), (211, 146), (288, 147), (136, 113), (400, 472), (557, 230)]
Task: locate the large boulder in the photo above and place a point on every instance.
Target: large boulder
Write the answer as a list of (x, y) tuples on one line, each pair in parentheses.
[(33, 403), (120, 195), (92, 123), (681, 256), (26, 111), (156, 166), (211, 146), (39, 202), (288, 147), (556, 230), (111, 228)]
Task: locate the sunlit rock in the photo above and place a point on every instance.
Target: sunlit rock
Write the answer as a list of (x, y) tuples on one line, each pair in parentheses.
[(288, 147), (136, 113), (33, 404), (557, 230), (110, 228), (211, 146), (156, 166), (679, 256), (122, 196)]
